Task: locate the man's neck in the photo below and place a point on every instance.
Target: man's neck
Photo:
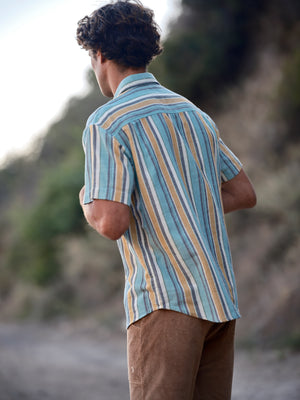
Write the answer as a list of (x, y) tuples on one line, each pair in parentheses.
[(117, 74)]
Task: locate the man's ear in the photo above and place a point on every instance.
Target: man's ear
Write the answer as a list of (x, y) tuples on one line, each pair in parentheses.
[(101, 56)]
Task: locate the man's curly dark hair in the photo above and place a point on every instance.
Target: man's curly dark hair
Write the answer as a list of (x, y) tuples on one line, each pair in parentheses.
[(123, 31)]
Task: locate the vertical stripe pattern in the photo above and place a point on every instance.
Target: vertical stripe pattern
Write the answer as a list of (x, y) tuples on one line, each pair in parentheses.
[(155, 151)]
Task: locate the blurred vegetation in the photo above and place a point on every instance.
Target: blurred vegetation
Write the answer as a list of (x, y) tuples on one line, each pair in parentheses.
[(53, 265), (289, 96), (210, 42)]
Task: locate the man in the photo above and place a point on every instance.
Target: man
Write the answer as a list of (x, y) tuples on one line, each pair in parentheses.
[(158, 179)]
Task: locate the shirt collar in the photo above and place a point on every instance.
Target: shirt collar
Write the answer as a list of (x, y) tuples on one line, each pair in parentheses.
[(135, 80)]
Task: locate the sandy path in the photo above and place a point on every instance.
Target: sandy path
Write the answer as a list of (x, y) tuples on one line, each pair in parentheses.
[(40, 363)]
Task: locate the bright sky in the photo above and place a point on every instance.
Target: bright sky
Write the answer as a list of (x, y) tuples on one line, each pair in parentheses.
[(41, 64)]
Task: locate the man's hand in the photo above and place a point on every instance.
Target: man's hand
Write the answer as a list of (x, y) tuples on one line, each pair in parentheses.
[(238, 193)]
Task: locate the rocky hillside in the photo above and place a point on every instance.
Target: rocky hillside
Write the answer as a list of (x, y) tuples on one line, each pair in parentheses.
[(265, 241), (241, 65)]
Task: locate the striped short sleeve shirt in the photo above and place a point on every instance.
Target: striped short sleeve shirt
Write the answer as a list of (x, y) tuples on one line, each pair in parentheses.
[(155, 151)]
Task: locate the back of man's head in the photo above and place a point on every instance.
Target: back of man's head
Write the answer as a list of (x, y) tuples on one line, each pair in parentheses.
[(124, 31)]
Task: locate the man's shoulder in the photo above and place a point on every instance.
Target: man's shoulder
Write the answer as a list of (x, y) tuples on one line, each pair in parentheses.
[(134, 105), (97, 116)]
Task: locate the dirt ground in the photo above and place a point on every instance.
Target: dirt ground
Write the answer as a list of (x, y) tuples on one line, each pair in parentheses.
[(62, 363)]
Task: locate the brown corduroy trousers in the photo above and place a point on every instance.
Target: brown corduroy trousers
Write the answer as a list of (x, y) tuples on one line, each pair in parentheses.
[(172, 356)]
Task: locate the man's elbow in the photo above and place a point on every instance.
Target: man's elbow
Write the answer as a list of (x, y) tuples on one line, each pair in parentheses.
[(254, 200), (112, 230), (250, 200)]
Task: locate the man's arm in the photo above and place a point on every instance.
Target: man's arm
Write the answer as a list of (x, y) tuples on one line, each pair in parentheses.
[(238, 193), (109, 218)]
